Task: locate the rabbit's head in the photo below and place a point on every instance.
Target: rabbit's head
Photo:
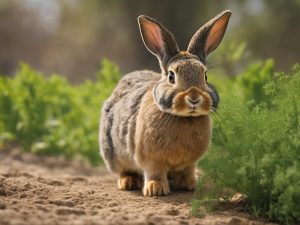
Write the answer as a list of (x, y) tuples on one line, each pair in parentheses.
[(182, 89)]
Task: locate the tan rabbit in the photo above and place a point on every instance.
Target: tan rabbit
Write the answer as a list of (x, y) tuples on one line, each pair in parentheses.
[(154, 127)]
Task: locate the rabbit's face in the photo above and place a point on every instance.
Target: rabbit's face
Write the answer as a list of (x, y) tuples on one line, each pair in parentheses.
[(183, 90)]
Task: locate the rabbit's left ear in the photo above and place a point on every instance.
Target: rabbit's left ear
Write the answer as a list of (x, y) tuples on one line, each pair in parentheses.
[(209, 36), (158, 40)]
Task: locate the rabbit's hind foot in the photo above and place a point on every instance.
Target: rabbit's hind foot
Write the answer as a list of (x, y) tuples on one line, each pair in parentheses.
[(129, 182), (184, 180)]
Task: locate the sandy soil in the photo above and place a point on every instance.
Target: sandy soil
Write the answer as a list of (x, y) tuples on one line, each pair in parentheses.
[(39, 190)]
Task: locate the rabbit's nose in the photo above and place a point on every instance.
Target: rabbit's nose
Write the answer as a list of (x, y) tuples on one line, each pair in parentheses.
[(194, 101)]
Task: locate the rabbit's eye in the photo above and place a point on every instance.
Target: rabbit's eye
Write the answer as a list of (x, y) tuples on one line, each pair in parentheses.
[(171, 77), (205, 76)]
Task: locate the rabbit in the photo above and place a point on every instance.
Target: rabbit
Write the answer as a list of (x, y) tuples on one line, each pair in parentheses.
[(154, 127)]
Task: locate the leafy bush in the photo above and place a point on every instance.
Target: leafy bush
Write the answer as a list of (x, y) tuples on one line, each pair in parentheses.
[(256, 148), (253, 79), (246, 86), (52, 116)]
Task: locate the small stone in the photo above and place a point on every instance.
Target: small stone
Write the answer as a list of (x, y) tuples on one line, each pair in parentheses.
[(2, 192), (236, 221), (23, 195), (66, 211), (2, 206)]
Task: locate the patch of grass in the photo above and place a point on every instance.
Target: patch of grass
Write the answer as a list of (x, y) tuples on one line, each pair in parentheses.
[(256, 148), (52, 116)]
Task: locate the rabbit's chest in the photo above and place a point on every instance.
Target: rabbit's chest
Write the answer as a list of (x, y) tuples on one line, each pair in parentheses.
[(171, 139), (183, 141)]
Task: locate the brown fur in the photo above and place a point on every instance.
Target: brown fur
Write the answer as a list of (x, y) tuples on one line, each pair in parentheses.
[(153, 129), (174, 141)]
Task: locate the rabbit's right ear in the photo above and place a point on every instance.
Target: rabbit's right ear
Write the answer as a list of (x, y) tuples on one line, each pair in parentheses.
[(158, 40), (209, 36)]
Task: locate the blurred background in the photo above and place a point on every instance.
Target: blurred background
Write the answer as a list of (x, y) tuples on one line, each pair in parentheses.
[(70, 37)]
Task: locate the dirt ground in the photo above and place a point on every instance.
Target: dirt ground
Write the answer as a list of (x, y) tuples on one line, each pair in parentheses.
[(39, 190)]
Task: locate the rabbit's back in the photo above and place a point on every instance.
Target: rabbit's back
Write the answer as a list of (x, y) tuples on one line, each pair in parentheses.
[(118, 119)]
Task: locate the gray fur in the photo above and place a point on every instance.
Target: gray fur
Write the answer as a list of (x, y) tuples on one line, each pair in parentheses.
[(166, 100), (118, 119)]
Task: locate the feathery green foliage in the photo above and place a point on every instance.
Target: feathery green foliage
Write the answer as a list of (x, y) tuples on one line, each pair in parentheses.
[(256, 146)]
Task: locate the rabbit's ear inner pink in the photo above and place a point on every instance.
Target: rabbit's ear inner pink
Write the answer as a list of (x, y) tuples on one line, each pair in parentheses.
[(158, 40), (209, 36)]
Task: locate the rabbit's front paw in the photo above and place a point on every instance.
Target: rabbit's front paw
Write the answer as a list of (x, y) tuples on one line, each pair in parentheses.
[(156, 188), (129, 183)]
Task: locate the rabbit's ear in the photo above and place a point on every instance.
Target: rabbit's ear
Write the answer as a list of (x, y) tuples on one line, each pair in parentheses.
[(158, 40), (209, 36)]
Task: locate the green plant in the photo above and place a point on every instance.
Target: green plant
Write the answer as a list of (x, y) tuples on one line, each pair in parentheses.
[(255, 150), (51, 116)]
